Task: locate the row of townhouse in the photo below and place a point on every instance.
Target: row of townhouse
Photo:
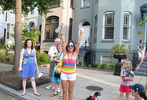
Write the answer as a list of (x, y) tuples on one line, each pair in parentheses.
[(105, 23), (7, 22)]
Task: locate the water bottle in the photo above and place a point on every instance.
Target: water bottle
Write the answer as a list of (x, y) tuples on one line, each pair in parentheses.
[(81, 28), (58, 30)]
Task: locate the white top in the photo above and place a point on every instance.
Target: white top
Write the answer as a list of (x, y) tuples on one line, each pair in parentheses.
[(53, 51)]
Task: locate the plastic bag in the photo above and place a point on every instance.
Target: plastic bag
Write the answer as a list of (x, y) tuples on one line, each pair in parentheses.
[(38, 73)]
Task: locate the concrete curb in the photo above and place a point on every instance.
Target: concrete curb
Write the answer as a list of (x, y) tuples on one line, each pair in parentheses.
[(15, 94)]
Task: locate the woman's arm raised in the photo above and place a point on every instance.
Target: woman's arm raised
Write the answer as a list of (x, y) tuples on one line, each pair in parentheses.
[(142, 60), (78, 43), (63, 40)]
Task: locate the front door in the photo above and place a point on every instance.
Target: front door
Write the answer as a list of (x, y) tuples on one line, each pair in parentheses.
[(85, 37)]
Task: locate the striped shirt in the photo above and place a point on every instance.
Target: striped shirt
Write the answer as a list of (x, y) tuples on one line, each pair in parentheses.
[(126, 73), (69, 64)]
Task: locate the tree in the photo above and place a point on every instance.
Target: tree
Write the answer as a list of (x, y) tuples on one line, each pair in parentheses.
[(20, 7), (141, 23), (18, 39), (32, 34), (29, 5)]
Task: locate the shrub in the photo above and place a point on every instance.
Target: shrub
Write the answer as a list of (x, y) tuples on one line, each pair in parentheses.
[(112, 66), (42, 58), (13, 46), (2, 53), (120, 49), (104, 65), (99, 65), (3, 57), (96, 64), (2, 46), (83, 65), (11, 56), (3, 72), (108, 66), (89, 66), (80, 63)]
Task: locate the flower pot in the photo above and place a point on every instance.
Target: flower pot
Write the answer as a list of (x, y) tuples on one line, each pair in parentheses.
[(120, 56)]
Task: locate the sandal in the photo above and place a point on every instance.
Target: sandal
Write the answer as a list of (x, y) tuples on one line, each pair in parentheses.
[(23, 94), (37, 94), (53, 94)]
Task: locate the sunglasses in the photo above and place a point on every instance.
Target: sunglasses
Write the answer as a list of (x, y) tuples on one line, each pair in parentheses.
[(70, 45)]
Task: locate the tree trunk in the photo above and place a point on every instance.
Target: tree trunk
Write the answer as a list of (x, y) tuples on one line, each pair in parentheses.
[(18, 32)]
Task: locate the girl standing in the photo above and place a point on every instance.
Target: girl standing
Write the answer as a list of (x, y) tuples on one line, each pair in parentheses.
[(56, 77), (127, 75), (28, 66), (68, 74), (141, 50)]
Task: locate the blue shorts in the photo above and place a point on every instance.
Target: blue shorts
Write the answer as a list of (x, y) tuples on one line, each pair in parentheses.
[(55, 79)]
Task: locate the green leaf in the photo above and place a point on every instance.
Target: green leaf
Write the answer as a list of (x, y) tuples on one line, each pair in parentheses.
[(29, 5), (141, 23), (12, 35)]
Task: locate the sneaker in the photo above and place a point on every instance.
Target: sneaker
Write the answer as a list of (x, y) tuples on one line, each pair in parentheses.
[(50, 87), (59, 90)]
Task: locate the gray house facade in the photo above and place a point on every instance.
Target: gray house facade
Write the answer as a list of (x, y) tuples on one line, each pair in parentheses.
[(107, 23)]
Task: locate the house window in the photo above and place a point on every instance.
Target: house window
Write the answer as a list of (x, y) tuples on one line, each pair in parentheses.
[(52, 23), (4, 33), (70, 29), (6, 17), (95, 30), (126, 25), (85, 24), (8, 30), (109, 25), (85, 3), (72, 4)]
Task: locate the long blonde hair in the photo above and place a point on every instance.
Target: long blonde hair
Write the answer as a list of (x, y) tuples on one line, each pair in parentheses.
[(128, 65)]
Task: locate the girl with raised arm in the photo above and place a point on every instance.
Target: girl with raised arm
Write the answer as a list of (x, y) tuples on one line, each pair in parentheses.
[(68, 74)]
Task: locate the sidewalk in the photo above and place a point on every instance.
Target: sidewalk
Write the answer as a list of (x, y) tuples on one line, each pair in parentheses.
[(86, 77)]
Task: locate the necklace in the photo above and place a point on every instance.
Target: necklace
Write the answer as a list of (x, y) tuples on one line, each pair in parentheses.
[(70, 58), (28, 52)]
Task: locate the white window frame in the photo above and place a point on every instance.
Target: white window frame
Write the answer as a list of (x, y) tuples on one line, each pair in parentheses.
[(128, 25), (83, 5), (104, 17)]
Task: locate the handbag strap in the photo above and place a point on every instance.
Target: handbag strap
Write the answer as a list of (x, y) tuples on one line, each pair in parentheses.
[(60, 54)]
